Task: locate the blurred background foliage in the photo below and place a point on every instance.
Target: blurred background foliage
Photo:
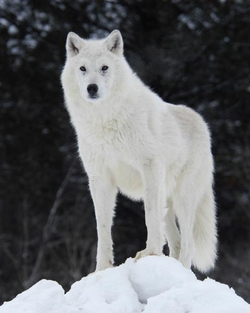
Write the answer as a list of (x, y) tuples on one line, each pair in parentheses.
[(191, 52)]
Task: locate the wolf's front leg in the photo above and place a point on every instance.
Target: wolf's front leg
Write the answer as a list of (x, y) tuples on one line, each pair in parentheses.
[(103, 193), (154, 203)]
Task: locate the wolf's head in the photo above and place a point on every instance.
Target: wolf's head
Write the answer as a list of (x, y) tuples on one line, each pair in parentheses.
[(95, 64)]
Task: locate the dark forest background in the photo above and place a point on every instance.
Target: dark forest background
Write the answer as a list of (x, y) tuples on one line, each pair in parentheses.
[(190, 52)]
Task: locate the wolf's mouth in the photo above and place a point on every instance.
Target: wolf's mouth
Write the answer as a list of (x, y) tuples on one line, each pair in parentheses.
[(93, 97)]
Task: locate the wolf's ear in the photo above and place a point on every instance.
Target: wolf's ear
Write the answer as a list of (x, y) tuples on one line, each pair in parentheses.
[(114, 42), (74, 44)]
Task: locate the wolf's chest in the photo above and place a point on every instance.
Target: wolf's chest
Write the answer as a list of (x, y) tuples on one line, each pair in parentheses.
[(110, 132)]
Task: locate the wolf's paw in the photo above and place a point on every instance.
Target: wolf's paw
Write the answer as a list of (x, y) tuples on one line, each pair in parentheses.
[(143, 253)]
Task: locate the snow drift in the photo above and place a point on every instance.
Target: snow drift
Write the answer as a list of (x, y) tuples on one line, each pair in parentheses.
[(151, 285)]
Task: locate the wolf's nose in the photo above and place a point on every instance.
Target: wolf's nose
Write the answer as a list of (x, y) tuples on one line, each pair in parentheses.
[(92, 89)]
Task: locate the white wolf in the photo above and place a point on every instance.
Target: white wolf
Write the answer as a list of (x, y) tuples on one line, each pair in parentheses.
[(132, 141)]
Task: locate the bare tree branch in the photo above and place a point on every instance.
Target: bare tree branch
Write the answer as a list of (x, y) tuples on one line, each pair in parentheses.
[(48, 228)]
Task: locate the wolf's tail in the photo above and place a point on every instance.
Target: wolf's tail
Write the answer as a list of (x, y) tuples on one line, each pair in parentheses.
[(205, 234)]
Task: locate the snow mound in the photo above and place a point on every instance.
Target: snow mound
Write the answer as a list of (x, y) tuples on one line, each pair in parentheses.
[(153, 275), (150, 285)]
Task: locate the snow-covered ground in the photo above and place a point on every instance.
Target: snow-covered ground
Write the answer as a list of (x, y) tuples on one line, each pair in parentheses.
[(150, 285)]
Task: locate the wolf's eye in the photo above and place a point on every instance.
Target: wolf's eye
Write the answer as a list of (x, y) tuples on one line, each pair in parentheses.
[(104, 68), (83, 68)]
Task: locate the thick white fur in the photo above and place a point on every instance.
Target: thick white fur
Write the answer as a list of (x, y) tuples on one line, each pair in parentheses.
[(132, 141)]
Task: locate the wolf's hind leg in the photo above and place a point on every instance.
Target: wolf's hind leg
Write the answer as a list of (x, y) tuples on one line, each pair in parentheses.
[(186, 219), (172, 234)]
